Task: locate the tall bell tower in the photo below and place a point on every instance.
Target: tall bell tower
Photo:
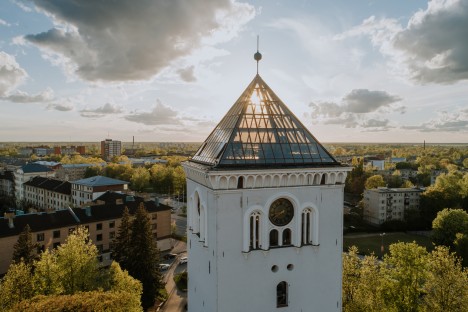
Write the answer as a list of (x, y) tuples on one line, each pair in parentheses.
[(264, 213)]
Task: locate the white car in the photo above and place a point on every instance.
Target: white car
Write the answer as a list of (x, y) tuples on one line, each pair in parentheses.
[(164, 266), (183, 260)]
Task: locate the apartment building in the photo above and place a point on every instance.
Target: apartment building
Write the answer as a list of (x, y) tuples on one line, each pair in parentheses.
[(26, 173), (110, 148), (72, 172), (48, 194), (385, 204), (102, 218), (86, 190), (7, 183)]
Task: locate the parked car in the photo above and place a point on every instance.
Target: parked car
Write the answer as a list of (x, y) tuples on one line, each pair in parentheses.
[(164, 266), (183, 260), (169, 256)]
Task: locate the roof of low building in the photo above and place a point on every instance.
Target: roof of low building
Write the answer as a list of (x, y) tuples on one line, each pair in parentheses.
[(33, 168), (54, 185), (99, 181), (104, 208)]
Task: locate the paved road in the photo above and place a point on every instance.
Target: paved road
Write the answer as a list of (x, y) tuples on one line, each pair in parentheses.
[(181, 224), (177, 299)]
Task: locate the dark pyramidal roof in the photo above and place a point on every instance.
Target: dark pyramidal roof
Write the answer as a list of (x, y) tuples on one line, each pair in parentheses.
[(260, 131)]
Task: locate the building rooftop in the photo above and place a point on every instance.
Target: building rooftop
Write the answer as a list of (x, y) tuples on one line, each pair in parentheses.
[(260, 131), (58, 186), (99, 181), (105, 208), (33, 167)]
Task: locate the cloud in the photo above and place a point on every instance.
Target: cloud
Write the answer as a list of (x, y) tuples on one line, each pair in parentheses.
[(358, 101), (4, 23), (449, 122), (357, 109), (366, 101), (133, 40), (106, 109), (22, 6), (435, 42), (187, 74), (23, 97), (160, 115), (432, 48), (11, 74), (62, 107)]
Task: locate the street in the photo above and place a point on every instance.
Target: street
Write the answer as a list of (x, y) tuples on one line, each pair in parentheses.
[(176, 299)]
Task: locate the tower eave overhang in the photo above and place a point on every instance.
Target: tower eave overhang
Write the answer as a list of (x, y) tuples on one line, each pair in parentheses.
[(224, 178)]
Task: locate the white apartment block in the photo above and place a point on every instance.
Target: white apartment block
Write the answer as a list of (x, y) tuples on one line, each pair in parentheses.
[(385, 204), (87, 190), (26, 173), (48, 194)]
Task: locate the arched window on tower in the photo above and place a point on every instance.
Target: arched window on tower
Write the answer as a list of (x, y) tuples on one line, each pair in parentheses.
[(273, 238), (254, 231), (286, 237), (308, 232), (196, 215), (282, 294)]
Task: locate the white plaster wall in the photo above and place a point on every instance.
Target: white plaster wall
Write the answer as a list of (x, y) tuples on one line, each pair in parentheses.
[(240, 281)]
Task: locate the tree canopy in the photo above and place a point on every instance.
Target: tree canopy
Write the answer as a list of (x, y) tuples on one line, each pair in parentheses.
[(69, 278)]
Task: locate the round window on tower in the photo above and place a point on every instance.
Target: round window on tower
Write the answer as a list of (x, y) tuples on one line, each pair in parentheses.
[(281, 212)]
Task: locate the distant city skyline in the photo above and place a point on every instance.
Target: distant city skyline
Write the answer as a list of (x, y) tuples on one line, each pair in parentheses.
[(351, 71)]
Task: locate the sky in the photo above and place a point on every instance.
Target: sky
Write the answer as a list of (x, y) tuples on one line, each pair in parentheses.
[(168, 71)]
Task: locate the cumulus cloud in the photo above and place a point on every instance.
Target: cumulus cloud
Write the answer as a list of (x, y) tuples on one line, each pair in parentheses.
[(358, 101), (11, 74), (446, 121), (160, 115), (133, 40), (356, 109), (366, 101), (62, 107), (432, 48), (23, 97), (106, 109), (187, 74)]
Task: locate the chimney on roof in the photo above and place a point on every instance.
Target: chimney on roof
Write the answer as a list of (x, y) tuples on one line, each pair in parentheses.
[(10, 215)]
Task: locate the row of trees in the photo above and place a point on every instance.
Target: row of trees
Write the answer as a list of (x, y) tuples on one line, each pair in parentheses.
[(162, 178), (407, 279), (68, 278)]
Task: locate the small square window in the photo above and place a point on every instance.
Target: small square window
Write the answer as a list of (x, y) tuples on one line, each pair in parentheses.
[(154, 216), (40, 237), (57, 234), (111, 235), (100, 247), (56, 244), (154, 226), (99, 237), (111, 224), (99, 227)]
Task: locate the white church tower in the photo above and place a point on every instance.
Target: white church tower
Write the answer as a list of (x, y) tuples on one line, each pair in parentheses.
[(264, 213)]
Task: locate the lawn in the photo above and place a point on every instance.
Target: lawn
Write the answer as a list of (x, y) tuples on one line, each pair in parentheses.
[(371, 243)]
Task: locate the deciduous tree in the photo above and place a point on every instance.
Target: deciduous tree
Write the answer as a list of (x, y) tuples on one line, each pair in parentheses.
[(447, 224), (374, 181)]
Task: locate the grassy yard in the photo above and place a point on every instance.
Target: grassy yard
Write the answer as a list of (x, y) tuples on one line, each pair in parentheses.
[(371, 243)]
